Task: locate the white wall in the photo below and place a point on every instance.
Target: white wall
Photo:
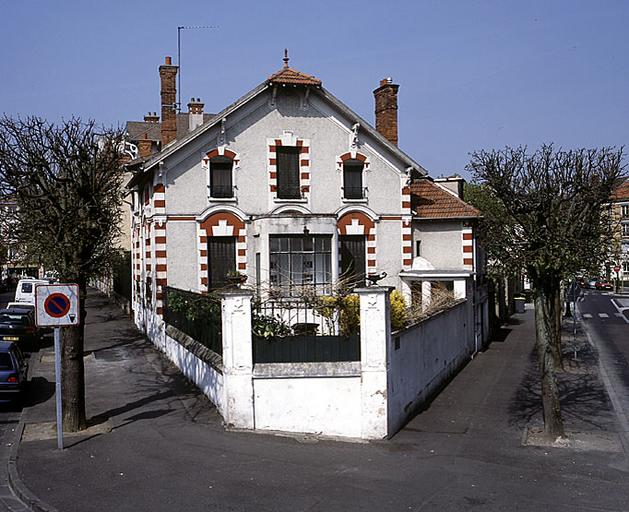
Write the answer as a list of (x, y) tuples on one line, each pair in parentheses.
[(441, 243), (325, 405), (204, 376), (182, 254), (424, 356)]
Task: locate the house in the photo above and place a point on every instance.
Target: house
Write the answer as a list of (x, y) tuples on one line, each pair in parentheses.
[(620, 217), (289, 186), (290, 189)]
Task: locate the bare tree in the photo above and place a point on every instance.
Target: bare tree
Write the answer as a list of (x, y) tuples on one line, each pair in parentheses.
[(66, 182), (546, 213)]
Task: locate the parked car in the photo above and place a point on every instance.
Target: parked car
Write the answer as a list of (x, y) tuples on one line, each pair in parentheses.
[(604, 285), (592, 284), (17, 325), (13, 372), (29, 307), (25, 291)]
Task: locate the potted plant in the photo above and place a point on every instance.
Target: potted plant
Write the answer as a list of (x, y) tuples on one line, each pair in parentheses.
[(236, 278)]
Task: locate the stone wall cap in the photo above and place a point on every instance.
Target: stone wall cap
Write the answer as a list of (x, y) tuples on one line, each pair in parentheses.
[(237, 292), (372, 289)]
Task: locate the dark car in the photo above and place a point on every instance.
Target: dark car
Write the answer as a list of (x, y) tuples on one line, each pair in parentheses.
[(13, 372), (17, 325)]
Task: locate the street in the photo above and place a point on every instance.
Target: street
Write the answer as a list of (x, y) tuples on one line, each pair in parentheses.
[(168, 449), (605, 317), (9, 419)]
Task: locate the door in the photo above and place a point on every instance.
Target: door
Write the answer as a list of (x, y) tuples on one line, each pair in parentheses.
[(221, 260), (352, 249)]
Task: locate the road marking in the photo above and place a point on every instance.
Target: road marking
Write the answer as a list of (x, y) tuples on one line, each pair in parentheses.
[(603, 315), (620, 309), (587, 315)]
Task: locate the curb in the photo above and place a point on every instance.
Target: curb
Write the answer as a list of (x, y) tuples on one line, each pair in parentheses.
[(15, 482)]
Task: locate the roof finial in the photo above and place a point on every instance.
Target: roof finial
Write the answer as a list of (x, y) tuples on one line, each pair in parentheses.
[(285, 59)]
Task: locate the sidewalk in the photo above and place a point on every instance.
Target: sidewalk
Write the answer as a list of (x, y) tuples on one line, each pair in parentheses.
[(162, 446)]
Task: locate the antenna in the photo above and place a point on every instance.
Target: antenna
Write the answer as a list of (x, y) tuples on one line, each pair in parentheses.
[(179, 29)]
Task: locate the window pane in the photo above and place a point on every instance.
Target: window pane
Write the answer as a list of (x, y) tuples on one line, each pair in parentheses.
[(296, 244), (221, 177)]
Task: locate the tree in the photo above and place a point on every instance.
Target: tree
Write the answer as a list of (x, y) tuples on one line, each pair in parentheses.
[(66, 180), (545, 213)]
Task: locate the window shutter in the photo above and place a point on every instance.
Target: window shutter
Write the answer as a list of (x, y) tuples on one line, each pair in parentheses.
[(353, 179), (288, 185)]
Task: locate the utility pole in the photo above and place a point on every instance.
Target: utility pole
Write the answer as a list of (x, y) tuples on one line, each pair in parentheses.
[(179, 29)]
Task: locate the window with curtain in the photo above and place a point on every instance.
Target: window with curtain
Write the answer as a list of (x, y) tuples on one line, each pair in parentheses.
[(221, 177), (298, 260), (353, 179), (287, 164)]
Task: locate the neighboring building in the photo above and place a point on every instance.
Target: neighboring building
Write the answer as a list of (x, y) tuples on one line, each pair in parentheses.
[(14, 263), (290, 187), (620, 216)]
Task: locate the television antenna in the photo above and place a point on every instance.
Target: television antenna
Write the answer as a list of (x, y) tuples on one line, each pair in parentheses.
[(179, 29)]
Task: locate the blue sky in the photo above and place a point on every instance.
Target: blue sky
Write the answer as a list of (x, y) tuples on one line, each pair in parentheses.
[(473, 74)]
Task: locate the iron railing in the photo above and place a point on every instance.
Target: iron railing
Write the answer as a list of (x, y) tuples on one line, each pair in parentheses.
[(317, 329), (197, 315)]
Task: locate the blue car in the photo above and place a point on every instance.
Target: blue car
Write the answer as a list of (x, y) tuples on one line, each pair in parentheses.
[(13, 372)]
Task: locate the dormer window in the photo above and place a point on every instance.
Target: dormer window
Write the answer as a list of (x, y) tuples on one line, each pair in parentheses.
[(288, 184), (353, 179), (221, 185)]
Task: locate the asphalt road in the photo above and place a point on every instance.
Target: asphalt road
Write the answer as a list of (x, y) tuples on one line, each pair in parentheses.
[(605, 317), (9, 419)]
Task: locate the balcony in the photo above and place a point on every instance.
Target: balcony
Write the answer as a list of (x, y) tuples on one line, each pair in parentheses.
[(355, 193), (222, 192)]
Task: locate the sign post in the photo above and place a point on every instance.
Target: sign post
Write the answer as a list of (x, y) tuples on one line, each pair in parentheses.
[(57, 305)]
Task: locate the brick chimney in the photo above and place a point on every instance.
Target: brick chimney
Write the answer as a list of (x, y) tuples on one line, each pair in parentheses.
[(168, 91), (145, 146), (151, 117), (386, 109), (195, 113)]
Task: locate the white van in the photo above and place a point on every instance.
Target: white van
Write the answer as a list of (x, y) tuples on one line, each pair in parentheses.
[(25, 291)]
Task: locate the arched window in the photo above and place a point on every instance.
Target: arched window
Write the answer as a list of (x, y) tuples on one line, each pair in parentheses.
[(221, 185), (353, 179)]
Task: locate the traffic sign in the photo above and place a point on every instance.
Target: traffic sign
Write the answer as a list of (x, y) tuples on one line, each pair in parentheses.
[(617, 268), (56, 305)]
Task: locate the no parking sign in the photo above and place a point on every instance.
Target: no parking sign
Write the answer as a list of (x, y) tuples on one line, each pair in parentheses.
[(56, 305)]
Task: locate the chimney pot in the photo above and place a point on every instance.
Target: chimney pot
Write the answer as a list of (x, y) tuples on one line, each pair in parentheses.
[(168, 61), (386, 109)]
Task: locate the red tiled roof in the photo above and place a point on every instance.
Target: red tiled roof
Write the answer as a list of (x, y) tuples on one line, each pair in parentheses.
[(430, 201), (291, 76), (621, 192)]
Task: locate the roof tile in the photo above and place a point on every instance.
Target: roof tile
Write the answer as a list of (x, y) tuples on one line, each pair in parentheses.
[(430, 201), (291, 76)]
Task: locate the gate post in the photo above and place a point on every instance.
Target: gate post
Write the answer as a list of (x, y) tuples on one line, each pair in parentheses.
[(375, 343), (237, 358)]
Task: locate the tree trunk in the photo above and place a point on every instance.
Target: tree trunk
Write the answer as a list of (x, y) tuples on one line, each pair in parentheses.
[(556, 340), (72, 370), (545, 326)]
